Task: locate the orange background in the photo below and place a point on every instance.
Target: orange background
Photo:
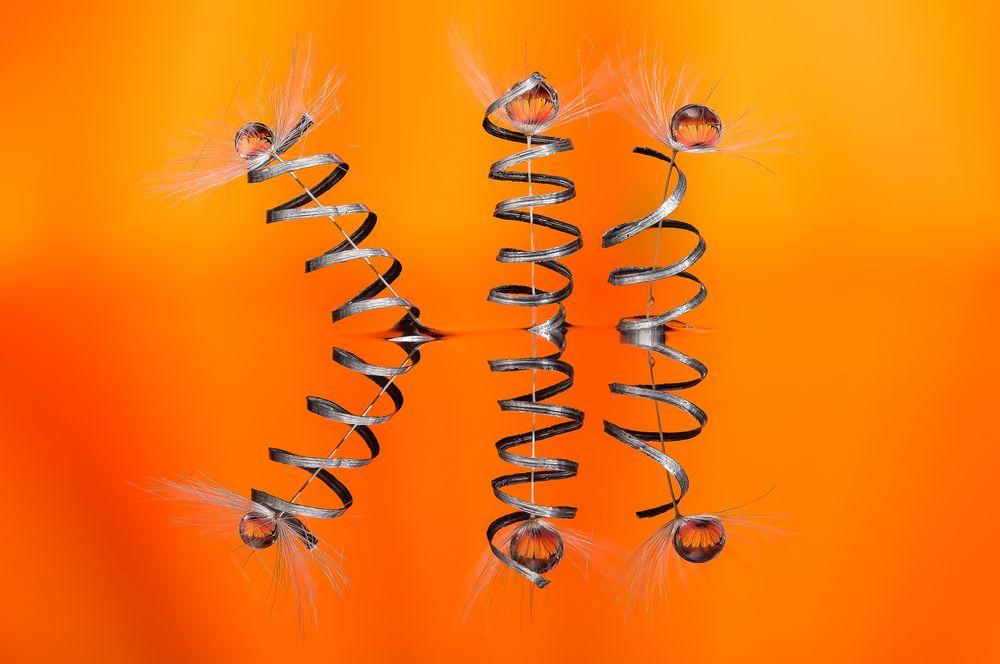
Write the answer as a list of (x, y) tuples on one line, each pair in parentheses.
[(852, 355)]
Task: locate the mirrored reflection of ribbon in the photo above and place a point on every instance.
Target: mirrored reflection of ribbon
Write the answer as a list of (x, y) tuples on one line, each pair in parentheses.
[(649, 332), (409, 332), (551, 330)]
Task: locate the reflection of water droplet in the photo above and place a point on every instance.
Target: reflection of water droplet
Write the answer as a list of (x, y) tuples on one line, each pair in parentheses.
[(536, 545), (696, 126), (258, 531), (534, 110), (253, 140), (699, 539)]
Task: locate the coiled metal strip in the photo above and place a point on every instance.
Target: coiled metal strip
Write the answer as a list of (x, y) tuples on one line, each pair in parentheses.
[(412, 336), (551, 330), (623, 276), (650, 332)]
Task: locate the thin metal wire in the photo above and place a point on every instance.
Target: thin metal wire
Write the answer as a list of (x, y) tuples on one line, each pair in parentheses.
[(347, 433), (649, 353), (347, 237), (534, 316)]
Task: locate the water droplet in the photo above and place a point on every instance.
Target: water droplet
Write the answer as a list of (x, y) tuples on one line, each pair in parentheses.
[(534, 110), (253, 140), (258, 531), (536, 545), (696, 127), (699, 539)]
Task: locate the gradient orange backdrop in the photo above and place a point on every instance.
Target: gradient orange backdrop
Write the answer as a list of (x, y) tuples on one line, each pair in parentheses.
[(852, 345)]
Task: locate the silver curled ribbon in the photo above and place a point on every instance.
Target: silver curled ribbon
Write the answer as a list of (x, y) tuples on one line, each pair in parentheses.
[(552, 330), (409, 333), (650, 332)]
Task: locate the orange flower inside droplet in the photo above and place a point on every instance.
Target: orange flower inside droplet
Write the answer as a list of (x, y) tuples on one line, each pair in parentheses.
[(253, 140), (258, 531), (536, 545), (533, 110), (699, 539), (696, 127)]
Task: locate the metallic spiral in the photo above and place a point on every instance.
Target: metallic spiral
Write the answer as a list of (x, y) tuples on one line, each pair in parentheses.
[(552, 330), (649, 333), (409, 333)]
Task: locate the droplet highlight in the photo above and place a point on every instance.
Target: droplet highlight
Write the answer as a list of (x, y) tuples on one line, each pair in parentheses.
[(534, 110), (699, 539), (536, 545), (258, 531), (696, 127), (253, 140)]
